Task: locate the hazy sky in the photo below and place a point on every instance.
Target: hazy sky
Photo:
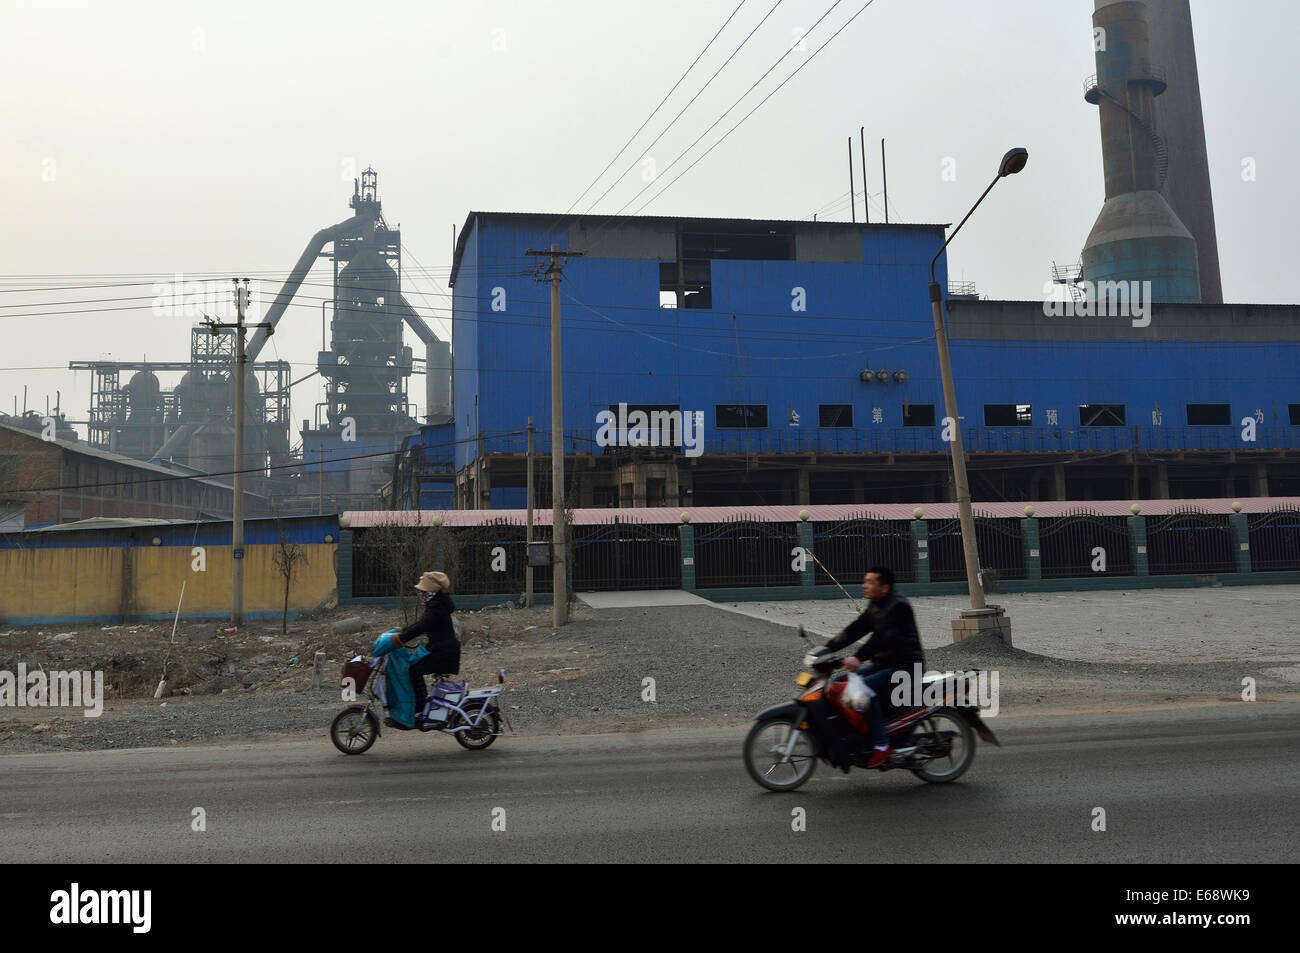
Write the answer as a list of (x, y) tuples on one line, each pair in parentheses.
[(148, 138)]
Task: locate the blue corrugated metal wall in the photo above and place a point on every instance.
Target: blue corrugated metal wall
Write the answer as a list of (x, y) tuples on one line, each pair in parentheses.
[(751, 347)]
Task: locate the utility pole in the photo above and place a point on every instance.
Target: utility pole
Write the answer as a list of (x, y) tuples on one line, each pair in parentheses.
[(528, 530), (320, 479), (559, 535), (237, 505)]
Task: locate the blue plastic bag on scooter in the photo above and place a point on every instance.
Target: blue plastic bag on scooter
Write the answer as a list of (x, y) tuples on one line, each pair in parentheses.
[(401, 697)]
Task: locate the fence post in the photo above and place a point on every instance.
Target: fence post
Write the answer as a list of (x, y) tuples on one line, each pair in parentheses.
[(687, 533), (1240, 528), (1137, 545), (921, 549), (808, 577), (1033, 552), (344, 566)]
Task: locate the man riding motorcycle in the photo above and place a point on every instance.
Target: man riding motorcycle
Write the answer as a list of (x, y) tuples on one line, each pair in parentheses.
[(894, 644)]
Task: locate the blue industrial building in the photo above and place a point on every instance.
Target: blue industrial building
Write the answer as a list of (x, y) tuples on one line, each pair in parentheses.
[(807, 349)]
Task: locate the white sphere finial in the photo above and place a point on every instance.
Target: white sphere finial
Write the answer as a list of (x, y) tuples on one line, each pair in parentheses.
[(1236, 507), (917, 513), (804, 515), (1029, 511), (686, 517), (1135, 509)]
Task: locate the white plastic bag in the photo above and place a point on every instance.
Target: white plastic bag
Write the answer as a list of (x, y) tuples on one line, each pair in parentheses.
[(857, 694)]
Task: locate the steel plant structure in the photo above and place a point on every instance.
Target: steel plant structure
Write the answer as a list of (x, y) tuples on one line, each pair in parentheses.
[(367, 411)]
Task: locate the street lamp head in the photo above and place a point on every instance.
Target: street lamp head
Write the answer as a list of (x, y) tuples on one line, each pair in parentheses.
[(1013, 162)]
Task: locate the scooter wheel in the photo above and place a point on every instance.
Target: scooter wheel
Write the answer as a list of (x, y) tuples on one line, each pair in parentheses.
[(476, 739), (354, 730)]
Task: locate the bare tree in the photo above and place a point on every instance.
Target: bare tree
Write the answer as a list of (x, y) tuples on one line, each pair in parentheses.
[(287, 557)]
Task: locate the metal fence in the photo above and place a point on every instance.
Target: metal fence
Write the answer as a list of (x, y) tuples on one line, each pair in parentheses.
[(1084, 543), (1189, 541), (746, 553), (1274, 540), (848, 548), (1000, 545), (621, 556), (481, 560)]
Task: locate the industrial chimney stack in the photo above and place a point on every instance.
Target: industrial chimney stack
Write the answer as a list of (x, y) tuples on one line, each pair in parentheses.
[(1137, 236)]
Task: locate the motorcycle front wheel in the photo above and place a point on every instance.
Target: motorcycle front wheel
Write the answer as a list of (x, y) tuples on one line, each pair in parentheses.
[(766, 750), (354, 730)]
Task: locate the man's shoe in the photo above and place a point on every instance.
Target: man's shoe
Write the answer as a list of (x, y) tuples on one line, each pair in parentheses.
[(879, 757)]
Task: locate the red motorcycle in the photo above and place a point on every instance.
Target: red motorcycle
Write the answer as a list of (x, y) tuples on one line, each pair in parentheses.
[(935, 742)]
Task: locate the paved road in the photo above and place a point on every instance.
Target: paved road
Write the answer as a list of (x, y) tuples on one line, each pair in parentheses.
[(1194, 785)]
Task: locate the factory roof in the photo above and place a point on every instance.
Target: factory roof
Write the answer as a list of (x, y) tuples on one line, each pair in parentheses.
[(117, 458), (602, 222)]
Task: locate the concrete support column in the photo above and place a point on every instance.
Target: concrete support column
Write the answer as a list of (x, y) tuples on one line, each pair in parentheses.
[(1137, 545), (805, 529), (1058, 482), (686, 532), (921, 549), (803, 497), (1239, 527), (1160, 490), (1033, 554), (859, 489), (1259, 480)]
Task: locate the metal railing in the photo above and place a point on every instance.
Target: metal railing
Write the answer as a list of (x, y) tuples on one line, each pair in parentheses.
[(1084, 543), (847, 548), (1274, 540), (1189, 541), (746, 553)]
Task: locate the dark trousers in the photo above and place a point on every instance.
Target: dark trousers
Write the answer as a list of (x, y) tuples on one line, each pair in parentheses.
[(443, 659), (878, 680)]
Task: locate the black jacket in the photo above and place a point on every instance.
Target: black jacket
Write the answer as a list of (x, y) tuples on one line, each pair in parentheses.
[(894, 641), (435, 622)]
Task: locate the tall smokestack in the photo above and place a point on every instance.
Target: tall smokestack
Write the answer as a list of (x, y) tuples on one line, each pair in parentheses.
[(1137, 235), (1179, 119)]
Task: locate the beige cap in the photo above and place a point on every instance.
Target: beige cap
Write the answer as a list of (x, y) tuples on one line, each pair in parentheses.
[(434, 582)]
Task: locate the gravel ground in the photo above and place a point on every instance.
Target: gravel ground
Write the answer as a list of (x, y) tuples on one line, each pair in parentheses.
[(710, 667), (1260, 624)]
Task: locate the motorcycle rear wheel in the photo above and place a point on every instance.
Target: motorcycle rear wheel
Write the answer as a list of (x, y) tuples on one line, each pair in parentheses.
[(476, 739), (354, 730), (764, 750), (944, 730)]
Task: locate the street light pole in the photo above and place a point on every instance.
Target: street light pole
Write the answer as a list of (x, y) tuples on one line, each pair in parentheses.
[(979, 616)]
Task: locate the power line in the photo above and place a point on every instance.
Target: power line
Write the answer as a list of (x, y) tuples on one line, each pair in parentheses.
[(654, 111)]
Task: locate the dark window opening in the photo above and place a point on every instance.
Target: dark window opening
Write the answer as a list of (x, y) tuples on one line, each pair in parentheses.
[(747, 416), (1208, 415), (738, 241), (918, 415), (685, 284), (1008, 415), (655, 425), (1295, 414), (835, 415), (1101, 415)]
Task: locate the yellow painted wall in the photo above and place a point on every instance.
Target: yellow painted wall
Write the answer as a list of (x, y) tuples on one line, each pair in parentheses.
[(62, 583)]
